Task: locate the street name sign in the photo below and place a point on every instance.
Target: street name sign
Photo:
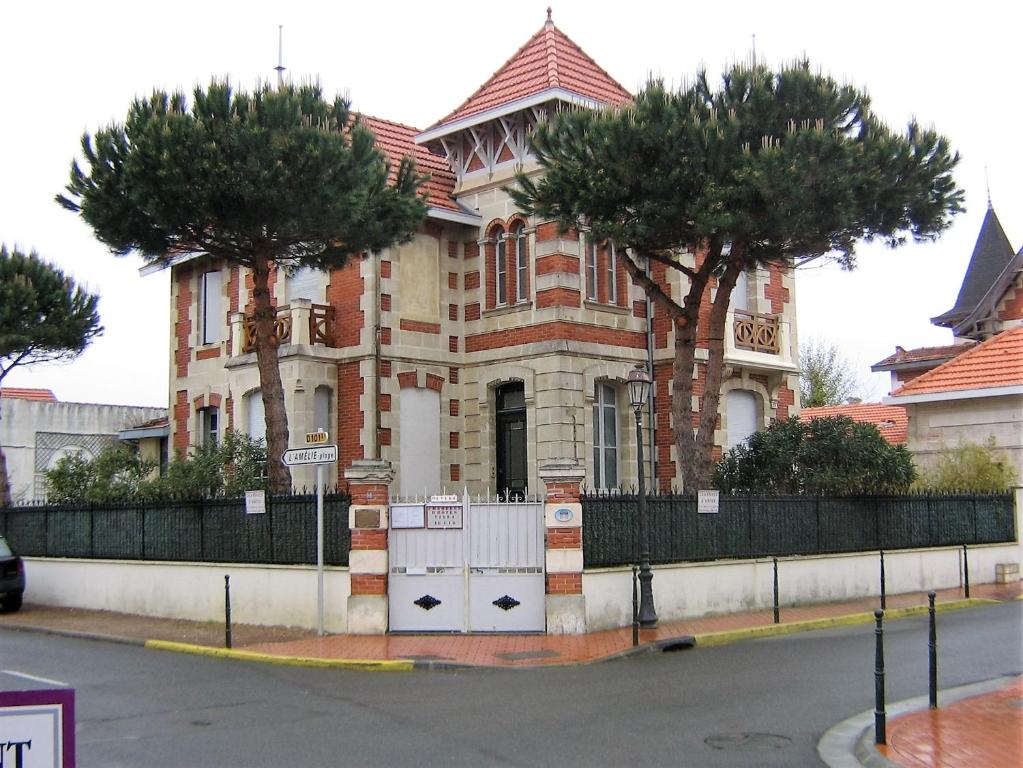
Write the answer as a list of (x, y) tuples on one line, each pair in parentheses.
[(316, 438), (321, 454)]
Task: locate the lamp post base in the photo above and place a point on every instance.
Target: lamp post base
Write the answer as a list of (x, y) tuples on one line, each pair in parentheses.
[(647, 614)]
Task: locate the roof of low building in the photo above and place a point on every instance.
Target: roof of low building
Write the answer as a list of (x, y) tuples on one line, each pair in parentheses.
[(890, 420), (914, 357), (992, 364), (28, 393), (548, 60)]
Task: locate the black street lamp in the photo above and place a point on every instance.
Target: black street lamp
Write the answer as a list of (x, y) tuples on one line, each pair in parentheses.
[(639, 391)]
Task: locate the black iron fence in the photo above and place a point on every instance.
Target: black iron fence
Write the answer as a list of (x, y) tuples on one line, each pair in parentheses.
[(765, 526), (203, 530)]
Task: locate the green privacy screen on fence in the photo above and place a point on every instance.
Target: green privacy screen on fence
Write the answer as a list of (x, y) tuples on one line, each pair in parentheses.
[(746, 527), (204, 530)]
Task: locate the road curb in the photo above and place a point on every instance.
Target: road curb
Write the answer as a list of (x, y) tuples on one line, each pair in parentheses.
[(376, 665), (75, 634), (711, 639)]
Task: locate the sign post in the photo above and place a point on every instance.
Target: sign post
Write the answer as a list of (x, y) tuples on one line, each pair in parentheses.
[(319, 455)]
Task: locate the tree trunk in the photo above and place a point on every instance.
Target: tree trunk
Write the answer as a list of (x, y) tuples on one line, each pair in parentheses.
[(270, 386)]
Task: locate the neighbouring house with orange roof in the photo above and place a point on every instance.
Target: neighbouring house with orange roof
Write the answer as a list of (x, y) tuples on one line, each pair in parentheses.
[(890, 420), (990, 301), (37, 430), (975, 397)]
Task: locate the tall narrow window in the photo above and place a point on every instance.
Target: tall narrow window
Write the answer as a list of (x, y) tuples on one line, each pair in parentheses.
[(591, 269), (521, 263), (305, 283), (612, 282), (740, 293), (605, 437), (211, 317), (502, 267), (255, 415), (209, 426), (743, 413), (321, 408)]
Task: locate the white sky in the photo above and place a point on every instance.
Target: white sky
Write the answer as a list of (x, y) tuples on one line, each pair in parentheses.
[(68, 68)]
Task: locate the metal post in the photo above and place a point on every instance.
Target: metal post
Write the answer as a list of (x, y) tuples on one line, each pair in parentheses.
[(647, 614), (777, 616), (880, 737), (932, 647), (227, 611), (966, 572), (884, 605), (319, 550), (635, 610)]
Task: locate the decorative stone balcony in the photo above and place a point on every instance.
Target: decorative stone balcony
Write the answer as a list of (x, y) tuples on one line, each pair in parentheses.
[(758, 333), (759, 342), (300, 323)]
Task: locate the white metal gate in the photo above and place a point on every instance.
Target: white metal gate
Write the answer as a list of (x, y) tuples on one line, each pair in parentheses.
[(462, 566)]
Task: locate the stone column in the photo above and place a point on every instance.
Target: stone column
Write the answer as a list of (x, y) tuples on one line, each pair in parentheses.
[(563, 518), (369, 482)]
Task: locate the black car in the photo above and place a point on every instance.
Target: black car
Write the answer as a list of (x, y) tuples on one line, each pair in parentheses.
[(12, 578)]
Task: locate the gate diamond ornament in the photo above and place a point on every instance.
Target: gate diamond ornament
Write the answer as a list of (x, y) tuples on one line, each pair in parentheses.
[(426, 602), (506, 602)]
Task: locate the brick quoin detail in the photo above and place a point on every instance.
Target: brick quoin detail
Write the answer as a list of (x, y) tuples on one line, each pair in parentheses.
[(557, 583), (233, 289), (384, 435), (434, 382), (350, 418), (344, 293), (418, 326), (557, 262), (452, 439), (564, 538), (369, 584), (385, 269), (548, 231), (562, 491), (452, 249), (452, 343), (453, 408), (1012, 304), (181, 423), (452, 312), (229, 410), (775, 290), (385, 335), (408, 379), (661, 322), (369, 539), (208, 354), (786, 399), (472, 251), (555, 331), (452, 375), (456, 473), (639, 308), (472, 280), (663, 437), (385, 403), (558, 297), (472, 312), (369, 493), (385, 302), (453, 281), (183, 326), (385, 369)]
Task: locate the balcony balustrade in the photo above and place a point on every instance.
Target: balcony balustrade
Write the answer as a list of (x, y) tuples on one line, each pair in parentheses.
[(755, 332), (301, 322)]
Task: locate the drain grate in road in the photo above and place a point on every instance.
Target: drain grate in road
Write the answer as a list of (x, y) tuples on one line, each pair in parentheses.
[(523, 655), (747, 742)]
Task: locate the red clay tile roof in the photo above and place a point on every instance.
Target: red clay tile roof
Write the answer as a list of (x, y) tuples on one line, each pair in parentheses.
[(890, 420), (23, 393), (920, 355), (997, 362), (395, 140), (549, 59)]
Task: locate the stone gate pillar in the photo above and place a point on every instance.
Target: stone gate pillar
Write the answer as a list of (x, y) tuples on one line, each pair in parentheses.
[(369, 482), (563, 518)]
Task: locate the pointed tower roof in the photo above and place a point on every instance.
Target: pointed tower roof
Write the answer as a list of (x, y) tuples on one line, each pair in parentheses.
[(549, 66), (991, 256)]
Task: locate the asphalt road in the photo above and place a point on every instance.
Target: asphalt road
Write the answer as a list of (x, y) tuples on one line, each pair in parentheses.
[(758, 703)]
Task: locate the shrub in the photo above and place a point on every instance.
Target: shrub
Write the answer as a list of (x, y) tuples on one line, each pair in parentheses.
[(970, 467)]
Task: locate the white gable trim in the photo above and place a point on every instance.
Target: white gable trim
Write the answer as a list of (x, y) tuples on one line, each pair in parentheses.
[(956, 394)]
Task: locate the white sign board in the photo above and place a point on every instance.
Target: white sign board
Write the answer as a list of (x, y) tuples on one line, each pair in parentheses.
[(408, 516), (707, 502), (323, 454), (255, 502), (37, 728), (443, 515)]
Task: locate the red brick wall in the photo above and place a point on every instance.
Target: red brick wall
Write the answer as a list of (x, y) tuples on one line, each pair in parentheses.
[(344, 293), (558, 297), (556, 331), (181, 414), (183, 325), (564, 538), (350, 419), (564, 583), (664, 438), (775, 290)]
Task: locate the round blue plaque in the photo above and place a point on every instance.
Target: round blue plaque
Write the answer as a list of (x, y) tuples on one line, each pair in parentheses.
[(563, 515)]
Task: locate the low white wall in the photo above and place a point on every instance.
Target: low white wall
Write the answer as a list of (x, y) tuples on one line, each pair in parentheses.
[(691, 590), (260, 594)]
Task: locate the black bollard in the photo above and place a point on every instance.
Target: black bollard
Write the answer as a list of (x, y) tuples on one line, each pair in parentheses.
[(966, 573), (635, 610), (884, 606), (932, 647), (777, 616), (227, 611), (880, 737)]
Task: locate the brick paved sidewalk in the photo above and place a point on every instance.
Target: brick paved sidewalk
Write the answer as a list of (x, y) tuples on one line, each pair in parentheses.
[(280, 643), (985, 730)]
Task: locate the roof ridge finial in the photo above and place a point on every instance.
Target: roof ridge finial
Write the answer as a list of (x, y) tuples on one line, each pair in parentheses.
[(549, 20), (987, 181)]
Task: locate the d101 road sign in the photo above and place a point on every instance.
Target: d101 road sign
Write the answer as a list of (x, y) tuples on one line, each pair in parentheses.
[(321, 454)]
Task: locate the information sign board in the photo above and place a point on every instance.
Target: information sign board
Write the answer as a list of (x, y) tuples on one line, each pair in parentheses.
[(38, 728), (323, 454), (444, 515), (707, 502)]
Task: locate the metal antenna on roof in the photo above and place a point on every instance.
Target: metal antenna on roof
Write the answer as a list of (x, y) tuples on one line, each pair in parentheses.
[(280, 56)]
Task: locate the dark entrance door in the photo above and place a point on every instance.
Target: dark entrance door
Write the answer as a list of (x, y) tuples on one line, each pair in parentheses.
[(511, 440)]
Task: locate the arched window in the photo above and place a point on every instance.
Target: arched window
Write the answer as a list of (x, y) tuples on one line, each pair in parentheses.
[(521, 262), (501, 269), (605, 436)]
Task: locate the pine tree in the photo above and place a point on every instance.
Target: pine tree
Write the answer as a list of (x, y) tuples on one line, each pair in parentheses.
[(769, 168), (44, 317), (276, 177)]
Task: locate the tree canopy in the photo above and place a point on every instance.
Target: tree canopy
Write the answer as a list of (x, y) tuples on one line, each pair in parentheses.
[(44, 317), (765, 168), (830, 456), (278, 177), (826, 377)]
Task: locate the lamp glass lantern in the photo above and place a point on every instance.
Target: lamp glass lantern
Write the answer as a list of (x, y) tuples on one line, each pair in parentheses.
[(639, 386)]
